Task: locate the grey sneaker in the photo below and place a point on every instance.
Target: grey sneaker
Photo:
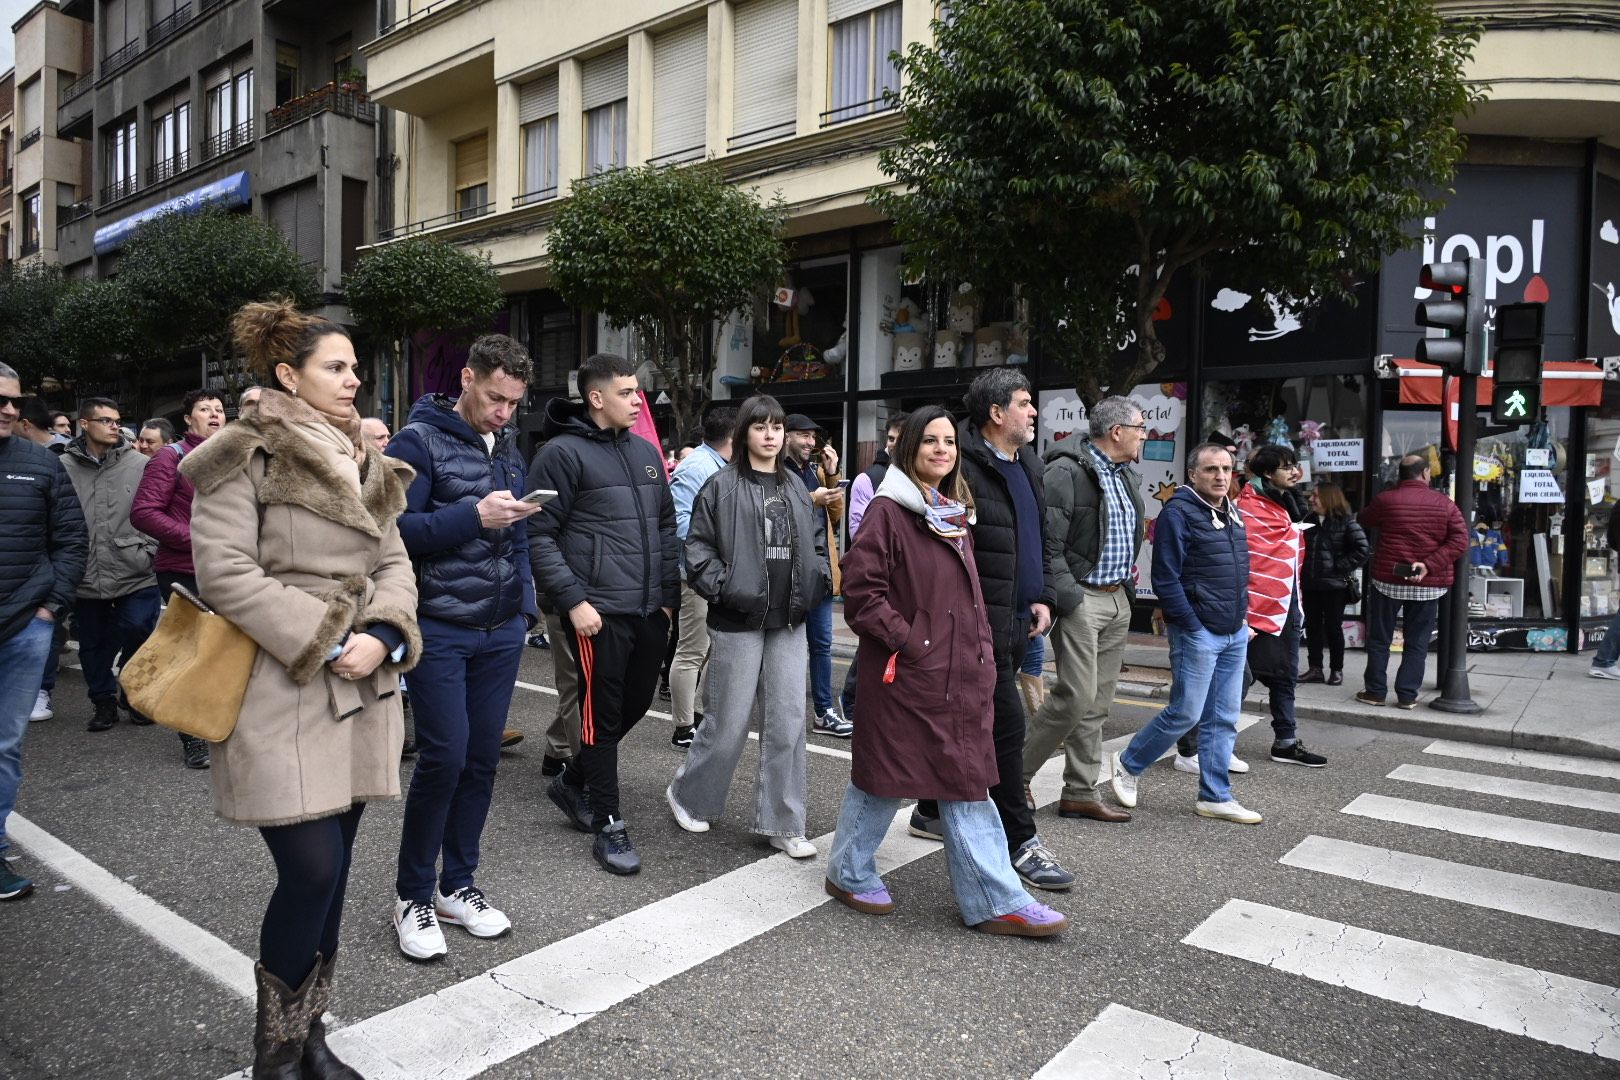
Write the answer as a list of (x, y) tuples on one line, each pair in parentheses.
[(1610, 672), (614, 851), (1039, 867), (926, 828), (572, 801), (830, 723)]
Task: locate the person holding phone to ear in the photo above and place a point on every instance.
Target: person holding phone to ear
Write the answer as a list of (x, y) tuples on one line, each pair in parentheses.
[(817, 466), (1421, 535)]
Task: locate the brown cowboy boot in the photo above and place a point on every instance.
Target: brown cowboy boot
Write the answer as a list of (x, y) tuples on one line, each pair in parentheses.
[(318, 1060), (281, 1024)]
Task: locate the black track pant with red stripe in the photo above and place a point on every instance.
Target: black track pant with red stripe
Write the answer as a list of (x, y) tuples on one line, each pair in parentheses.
[(618, 674)]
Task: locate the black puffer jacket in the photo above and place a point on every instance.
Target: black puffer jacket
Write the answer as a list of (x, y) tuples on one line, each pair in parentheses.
[(725, 551), (609, 536), (995, 532), (43, 542), (1334, 549), (465, 573)]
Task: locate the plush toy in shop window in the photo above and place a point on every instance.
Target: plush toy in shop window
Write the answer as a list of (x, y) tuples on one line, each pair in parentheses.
[(947, 349), (1244, 437), (908, 351), (963, 314), (1277, 432), (1488, 550)]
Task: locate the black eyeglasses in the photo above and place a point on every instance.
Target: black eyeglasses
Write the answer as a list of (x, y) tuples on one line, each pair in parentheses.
[(1138, 427), (9, 402)]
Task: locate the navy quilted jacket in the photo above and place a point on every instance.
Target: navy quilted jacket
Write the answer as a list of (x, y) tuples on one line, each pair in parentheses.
[(465, 573)]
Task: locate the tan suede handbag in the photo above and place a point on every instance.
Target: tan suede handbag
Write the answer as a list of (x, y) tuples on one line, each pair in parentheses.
[(192, 673)]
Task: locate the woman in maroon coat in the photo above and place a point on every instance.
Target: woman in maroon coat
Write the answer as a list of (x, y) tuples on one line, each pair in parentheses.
[(925, 676)]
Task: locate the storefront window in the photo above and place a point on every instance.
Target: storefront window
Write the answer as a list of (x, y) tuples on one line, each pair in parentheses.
[(801, 335), (1600, 565), (1321, 416)]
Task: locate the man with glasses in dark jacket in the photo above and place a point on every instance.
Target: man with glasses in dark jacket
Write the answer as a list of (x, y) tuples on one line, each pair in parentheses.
[(41, 562)]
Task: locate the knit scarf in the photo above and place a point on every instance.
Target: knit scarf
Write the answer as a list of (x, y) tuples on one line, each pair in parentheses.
[(947, 517)]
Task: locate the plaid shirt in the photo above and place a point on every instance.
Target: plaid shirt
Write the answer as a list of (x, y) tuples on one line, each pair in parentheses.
[(1115, 559), (1410, 592)]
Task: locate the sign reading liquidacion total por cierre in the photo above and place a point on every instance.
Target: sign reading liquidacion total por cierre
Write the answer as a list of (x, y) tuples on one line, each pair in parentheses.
[(1338, 455)]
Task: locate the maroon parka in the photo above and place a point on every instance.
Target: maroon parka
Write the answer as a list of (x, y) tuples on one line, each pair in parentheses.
[(923, 727)]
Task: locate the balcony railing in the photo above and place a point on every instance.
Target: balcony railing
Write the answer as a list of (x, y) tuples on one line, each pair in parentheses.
[(329, 98), (121, 59), (530, 197), (678, 157), (67, 215), (160, 172), (28, 247), (425, 224), (760, 135), (119, 189), (419, 13), (77, 87), (29, 139), (167, 28), (858, 109), (227, 140)]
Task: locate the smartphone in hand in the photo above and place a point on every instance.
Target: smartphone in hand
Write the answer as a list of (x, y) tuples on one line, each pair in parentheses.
[(539, 496), (1404, 569)]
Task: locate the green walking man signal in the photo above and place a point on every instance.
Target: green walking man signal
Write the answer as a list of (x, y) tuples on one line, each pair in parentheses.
[(1514, 405)]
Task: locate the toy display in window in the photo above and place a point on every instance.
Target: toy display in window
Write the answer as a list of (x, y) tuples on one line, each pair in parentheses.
[(963, 315), (947, 349), (989, 346), (1488, 550), (908, 351)]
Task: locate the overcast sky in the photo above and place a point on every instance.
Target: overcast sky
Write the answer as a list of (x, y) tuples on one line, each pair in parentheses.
[(10, 12)]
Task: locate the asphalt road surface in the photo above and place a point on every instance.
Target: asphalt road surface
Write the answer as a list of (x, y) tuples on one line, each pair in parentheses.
[(1415, 909)]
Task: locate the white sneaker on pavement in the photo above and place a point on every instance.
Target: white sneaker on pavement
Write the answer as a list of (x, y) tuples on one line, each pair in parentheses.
[(1600, 672), (682, 818), (419, 935), (797, 847), (42, 708), (1230, 810), (1190, 764), (1123, 783), (467, 908)]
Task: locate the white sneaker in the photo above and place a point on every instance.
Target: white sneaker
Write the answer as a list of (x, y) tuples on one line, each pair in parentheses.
[(467, 908), (796, 846), (1595, 672), (1230, 810), (682, 818), (419, 935), (1123, 783), (42, 708), (1190, 764)]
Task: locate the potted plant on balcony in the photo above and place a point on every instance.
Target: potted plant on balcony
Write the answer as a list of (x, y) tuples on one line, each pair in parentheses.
[(352, 81)]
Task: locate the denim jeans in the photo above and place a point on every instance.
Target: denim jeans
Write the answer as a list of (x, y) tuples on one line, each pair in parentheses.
[(1417, 620), (1206, 689), (818, 629), (1034, 656), (22, 665), (982, 876), (109, 629), (1608, 651)]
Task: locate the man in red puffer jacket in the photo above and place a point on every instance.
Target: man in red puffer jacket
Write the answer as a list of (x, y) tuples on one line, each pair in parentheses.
[(1422, 532)]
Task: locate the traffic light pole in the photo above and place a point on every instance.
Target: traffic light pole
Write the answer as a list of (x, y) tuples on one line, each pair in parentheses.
[(1453, 665)]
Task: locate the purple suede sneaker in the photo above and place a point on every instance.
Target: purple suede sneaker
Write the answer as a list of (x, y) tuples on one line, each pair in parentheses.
[(876, 902), (1032, 920)]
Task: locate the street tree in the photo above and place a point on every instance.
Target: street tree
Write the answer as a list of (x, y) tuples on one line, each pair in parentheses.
[(668, 252), (97, 334), (418, 285), (29, 294), (1090, 152)]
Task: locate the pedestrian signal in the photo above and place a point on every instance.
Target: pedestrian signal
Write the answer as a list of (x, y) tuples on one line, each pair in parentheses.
[(1516, 393)]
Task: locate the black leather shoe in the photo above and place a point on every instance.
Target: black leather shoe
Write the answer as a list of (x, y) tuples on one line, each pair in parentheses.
[(106, 715)]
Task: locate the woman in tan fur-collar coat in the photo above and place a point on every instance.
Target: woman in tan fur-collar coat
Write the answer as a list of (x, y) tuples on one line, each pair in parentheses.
[(294, 540)]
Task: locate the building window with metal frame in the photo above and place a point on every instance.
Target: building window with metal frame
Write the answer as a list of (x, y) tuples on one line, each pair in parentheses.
[(171, 139), (30, 223), (119, 161), (537, 121), (472, 177), (604, 90), (864, 35), (229, 104)]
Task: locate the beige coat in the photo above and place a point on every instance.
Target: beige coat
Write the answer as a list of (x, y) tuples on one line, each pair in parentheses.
[(295, 548)]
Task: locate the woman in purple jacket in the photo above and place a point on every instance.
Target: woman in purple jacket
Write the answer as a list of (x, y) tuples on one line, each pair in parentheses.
[(926, 676), (162, 510)]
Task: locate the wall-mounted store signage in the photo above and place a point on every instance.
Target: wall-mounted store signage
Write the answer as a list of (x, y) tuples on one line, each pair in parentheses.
[(1247, 326), (1539, 486), (1338, 455), (1603, 323), (227, 193)]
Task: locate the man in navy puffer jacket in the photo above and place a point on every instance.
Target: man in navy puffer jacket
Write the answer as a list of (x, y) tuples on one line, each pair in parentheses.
[(605, 555), (1201, 573), (464, 527)]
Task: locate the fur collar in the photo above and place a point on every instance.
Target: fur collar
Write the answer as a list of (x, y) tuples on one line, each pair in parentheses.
[(301, 471)]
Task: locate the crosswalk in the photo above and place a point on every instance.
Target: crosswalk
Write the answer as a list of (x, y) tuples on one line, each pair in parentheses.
[(1390, 970)]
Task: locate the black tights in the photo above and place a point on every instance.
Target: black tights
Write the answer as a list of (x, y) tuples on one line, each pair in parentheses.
[(312, 870)]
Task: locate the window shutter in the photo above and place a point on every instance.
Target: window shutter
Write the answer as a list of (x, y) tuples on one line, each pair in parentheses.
[(31, 111), (766, 82), (605, 78), (838, 10), (537, 99), (679, 90), (310, 243), (472, 161)]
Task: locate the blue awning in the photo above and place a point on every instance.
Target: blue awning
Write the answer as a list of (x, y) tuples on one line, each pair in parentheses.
[(228, 193)]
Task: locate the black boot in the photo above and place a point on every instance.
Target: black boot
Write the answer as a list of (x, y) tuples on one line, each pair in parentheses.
[(319, 1063), (196, 752), (281, 1025), (106, 717)]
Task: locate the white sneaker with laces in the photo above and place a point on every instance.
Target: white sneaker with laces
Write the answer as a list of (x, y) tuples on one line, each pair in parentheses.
[(1230, 810), (682, 818), (42, 708), (1123, 783), (419, 935), (467, 908), (1596, 672), (797, 847), (1190, 764)]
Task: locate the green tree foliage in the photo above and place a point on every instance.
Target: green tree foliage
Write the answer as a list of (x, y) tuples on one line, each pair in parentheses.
[(28, 299), (422, 284), (1089, 151), (669, 252), (97, 335), (185, 275)]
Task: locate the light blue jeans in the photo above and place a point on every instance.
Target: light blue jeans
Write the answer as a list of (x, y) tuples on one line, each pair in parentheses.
[(1206, 689), (22, 666), (975, 853)]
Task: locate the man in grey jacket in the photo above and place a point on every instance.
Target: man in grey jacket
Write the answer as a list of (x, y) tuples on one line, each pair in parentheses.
[(41, 561), (118, 601), (1094, 530)]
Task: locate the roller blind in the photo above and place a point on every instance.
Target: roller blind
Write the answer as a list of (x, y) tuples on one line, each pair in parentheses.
[(30, 107), (679, 90), (766, 83), (537, 99), (605, 78), (472, 161), (843, 9), (296, 212)]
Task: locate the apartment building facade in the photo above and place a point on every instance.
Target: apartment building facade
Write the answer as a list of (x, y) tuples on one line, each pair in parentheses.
[(503, 104), (48, 167), (8, 148)]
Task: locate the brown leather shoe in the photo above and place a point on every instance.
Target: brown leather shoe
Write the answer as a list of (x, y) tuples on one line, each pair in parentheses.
[(1096, 811), (1029, 797)]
